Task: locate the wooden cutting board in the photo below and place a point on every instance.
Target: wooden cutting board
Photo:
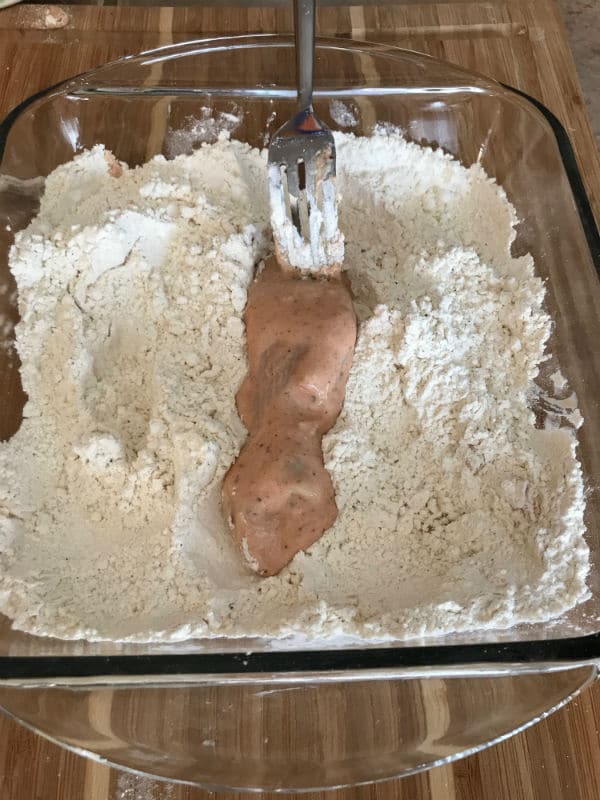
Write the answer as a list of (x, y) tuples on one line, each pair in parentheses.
[(519, 42)]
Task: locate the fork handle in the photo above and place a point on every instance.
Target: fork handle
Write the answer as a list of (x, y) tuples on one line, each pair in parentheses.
[(304, 33)]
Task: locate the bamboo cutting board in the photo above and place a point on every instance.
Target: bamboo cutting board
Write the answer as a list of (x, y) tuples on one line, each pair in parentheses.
[(518, 42)]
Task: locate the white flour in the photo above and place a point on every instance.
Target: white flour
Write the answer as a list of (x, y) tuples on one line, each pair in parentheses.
[(455, 513), (342, 115)]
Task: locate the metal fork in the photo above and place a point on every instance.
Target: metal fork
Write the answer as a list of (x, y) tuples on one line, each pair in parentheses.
[(302, 169)]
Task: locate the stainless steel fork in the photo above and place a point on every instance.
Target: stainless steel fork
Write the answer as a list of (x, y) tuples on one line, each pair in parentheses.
[(302, 169)]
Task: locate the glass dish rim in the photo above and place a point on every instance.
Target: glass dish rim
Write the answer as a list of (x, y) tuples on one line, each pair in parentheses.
[(352, 662)]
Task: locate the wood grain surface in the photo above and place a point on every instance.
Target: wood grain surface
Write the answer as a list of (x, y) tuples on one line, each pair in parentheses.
[(521, 43)]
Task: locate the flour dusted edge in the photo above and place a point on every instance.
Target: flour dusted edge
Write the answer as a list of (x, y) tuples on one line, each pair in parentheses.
[(455, 513)]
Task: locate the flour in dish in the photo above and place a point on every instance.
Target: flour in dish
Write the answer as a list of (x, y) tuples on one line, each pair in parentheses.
[(455, 513)]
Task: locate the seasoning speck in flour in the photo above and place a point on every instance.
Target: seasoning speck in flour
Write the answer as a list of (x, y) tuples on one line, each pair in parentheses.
[(455, 513)]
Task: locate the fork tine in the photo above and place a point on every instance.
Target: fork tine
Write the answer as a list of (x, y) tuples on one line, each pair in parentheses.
[(293, 186), (322, 194)]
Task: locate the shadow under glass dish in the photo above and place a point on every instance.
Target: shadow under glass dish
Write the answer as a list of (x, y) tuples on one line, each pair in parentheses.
[(171, 99)]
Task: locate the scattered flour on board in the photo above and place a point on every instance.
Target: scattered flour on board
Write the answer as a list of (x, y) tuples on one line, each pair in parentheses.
[(136, 787), (455, 512)]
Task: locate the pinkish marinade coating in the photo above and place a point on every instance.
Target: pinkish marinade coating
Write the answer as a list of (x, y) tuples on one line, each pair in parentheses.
[(301, 332)]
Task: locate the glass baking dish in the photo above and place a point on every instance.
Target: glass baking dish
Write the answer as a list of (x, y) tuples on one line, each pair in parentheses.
[(167, 101)]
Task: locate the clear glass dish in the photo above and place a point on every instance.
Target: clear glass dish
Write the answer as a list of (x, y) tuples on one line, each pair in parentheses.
[(294, 737), (146, 104)]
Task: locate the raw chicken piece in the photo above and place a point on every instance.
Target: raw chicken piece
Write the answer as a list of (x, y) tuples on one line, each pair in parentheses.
[(278, 496)]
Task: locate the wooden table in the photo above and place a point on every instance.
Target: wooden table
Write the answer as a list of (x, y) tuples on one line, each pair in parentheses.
[(521, 43)]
